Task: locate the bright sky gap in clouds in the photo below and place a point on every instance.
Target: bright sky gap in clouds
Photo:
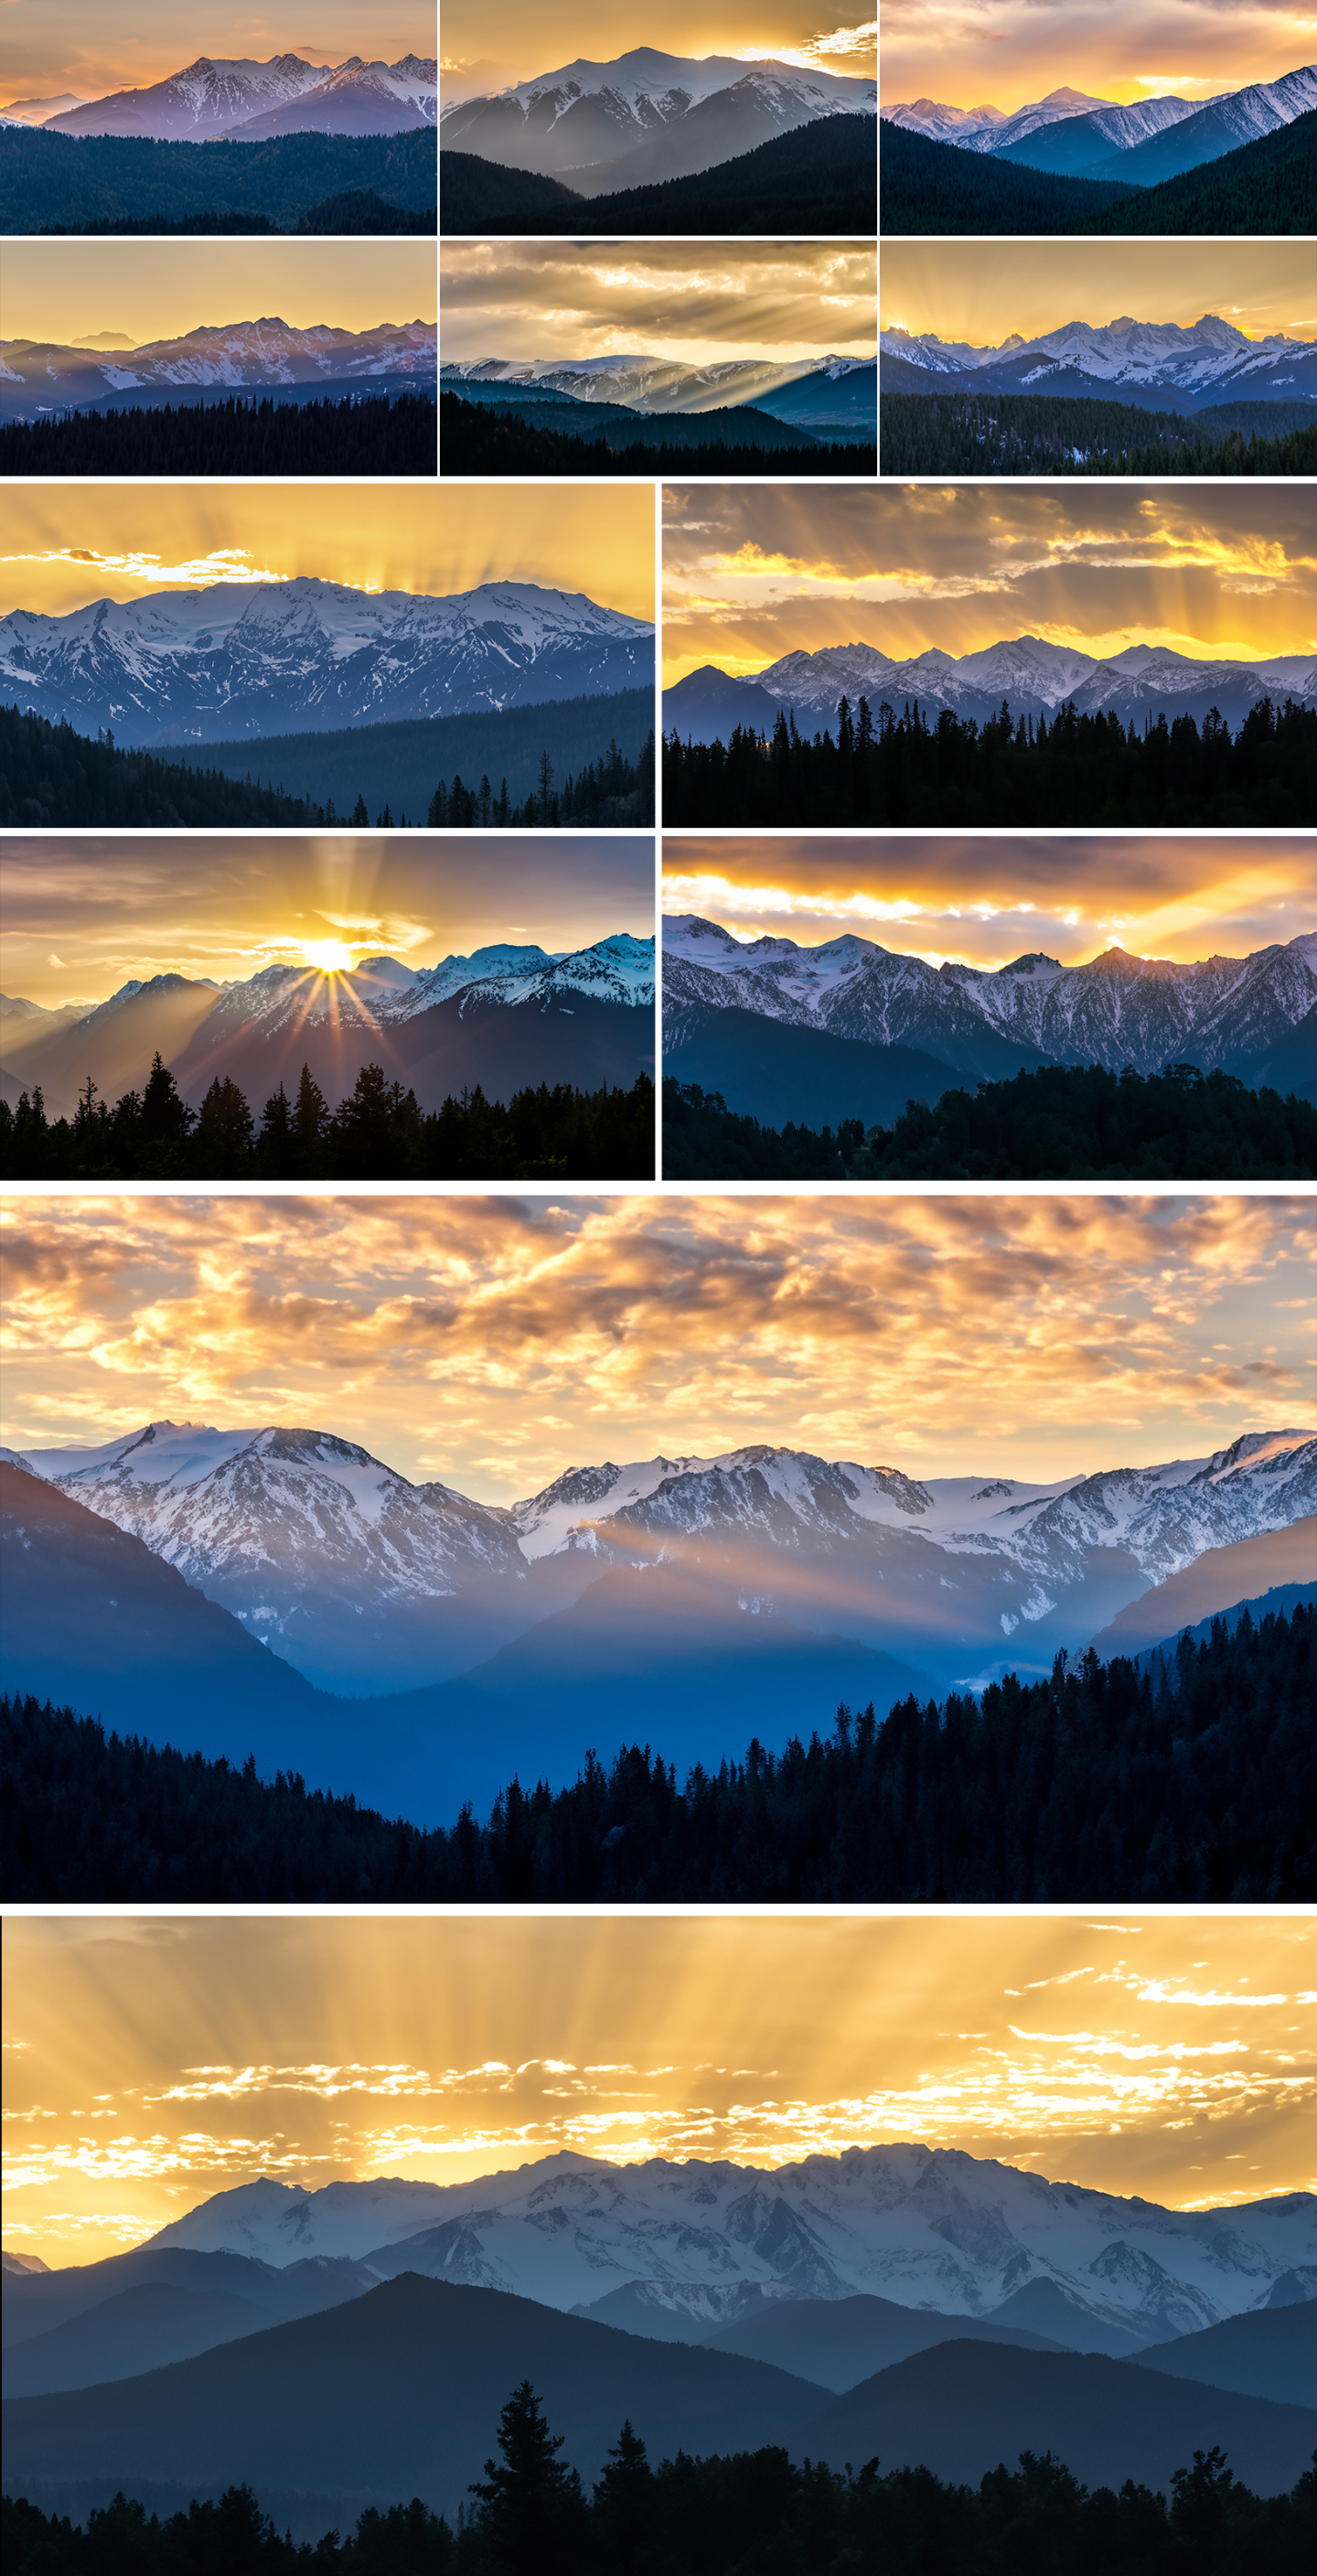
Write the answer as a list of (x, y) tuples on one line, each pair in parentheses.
[(1004, 53), (152, 2061), (158, 290), (494, 1342), (982, 291), (81, 45), (986, 898), (65, 545), (693, 301), (751, 572), (83, 914), (492, 44)]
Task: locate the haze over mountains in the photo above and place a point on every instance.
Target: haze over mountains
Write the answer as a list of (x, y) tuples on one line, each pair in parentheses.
[(248, 101), (1032, 676), (1081, 137), (256, 658), (357, 2341), (1243, 1014), (505, 1016), (1145, 362), (832, 394), (691, 1602), (646, 117), (41, 379)]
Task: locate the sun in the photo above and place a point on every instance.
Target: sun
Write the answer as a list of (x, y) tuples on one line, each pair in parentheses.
[(328, 956)]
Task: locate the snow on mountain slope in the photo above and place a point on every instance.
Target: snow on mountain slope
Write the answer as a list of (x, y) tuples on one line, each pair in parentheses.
[(930, 2228), (242, 97), (40, 378), (262, 658), (1147, 141), (646, 116), (646, 384), (1208, 356), (1217, 126), (986, 129), (1115, 1010)]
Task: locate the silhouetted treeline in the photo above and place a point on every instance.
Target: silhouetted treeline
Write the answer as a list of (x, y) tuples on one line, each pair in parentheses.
[(1060, 1123), (748, 2513), (1195, 1781), (361, 210), (243, 434), (955, 432), (52, 776), (1088, 769), (1267, 186), (130, 183), (822, 173), (478, 439), (378, 1133), (611, 789), (704, 1140)]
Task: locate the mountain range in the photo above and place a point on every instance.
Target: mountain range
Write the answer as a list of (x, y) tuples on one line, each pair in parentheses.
[(1145, 362), (503, 1017), (1244, 1014), (1091, 138), (645, 117), (691, 1602), (248, 101), (1033, 677), (368, 2332), (43, 378), (828, 393), (249, 659)]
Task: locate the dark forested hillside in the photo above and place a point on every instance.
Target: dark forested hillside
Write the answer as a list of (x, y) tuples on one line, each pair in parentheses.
[(819, 178), (127, 183), (378, 1133), (1193, 1781), (957, 431), (747, 2513), (538, 438), (1268, 186), (1087, 769), (608, 790), (51, 776), (365, 433), (1061, 1123)]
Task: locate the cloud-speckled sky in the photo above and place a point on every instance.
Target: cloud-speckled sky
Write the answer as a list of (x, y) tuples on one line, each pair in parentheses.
[(67, 544), (490, 44), (1004, 53), (81, 45), (494, 1342), (691, 301), (991, 896), (83, 914), (982, 291), (156, 290), (150, 2063), (753, 571)]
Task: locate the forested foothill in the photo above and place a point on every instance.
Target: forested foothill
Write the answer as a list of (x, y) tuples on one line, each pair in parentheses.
[(915, 769), (610, 790), (378, 1133), (1187, 1777), (823, 174), (1267, 186), (353, 433), (536, 439), (747, 2513), (1058, 1123), (119, 183), (957, 431)]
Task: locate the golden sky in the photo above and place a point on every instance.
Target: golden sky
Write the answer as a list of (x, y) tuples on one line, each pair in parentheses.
[(81, 45), (492, 1342), (489, 48), (82, 915), (67, 544), (981, 291), (152, 2061), (1003, 53), (157, 290), (685, 300), (753, 571), (988, 898)]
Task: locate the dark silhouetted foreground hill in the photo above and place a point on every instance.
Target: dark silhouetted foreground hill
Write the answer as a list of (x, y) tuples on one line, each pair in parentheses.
[(817, 179), (113, 182), (1268, 186)]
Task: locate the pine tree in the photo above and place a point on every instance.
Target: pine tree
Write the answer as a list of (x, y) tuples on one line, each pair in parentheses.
[(533, 2519), (623, 2505)]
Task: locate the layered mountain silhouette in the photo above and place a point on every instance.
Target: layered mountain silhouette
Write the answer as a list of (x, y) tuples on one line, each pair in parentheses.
[(249, 101), (1156, 365), (1076, 136), (40, 380)]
